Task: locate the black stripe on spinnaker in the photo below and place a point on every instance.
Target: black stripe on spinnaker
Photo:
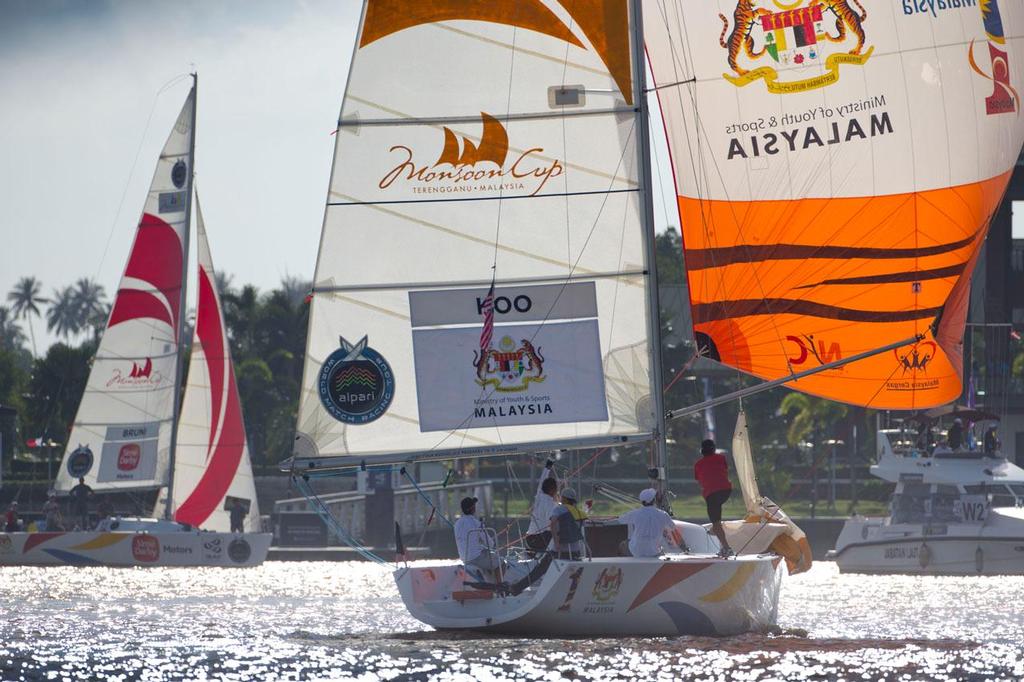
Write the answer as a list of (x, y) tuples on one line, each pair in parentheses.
[(723, 310), (894, 277), (702, 259)]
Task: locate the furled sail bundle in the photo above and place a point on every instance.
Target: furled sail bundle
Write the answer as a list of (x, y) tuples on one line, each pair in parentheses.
[(211, 466), (482, 266), (121, 437), (837, 163)]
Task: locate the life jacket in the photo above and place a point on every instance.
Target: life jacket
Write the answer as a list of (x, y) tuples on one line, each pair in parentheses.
[(570, 526)]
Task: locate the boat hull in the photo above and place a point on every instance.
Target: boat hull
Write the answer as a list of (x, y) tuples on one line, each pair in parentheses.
[(671, 596), (182, 548), (873, 546)]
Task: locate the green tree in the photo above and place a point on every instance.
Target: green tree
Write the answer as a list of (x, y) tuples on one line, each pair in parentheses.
[(25, 298), (11, 336), (62, 316), (89, 303), (58, 381)]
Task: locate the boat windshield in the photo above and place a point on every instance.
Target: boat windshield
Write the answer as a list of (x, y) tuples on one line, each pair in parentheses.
[(999, 495)]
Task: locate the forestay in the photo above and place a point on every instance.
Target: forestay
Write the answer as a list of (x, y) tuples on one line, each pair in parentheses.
[(211, 467), (478, 141), (837, 164), (122, 431)]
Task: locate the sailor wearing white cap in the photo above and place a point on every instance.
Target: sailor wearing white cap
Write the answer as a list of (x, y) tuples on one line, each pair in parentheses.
[(649, 527)]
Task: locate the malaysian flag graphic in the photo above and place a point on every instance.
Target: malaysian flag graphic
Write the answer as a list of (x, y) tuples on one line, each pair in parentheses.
[(487, 308)]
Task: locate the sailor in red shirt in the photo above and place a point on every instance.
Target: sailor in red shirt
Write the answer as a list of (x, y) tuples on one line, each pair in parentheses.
[(712, 472)]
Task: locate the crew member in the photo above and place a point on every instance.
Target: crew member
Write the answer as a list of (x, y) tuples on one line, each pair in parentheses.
[(80, 495), (237, 514), (472, 539), (538, 535), (955, 436), (566, 524), (649, 527), (712, 472)]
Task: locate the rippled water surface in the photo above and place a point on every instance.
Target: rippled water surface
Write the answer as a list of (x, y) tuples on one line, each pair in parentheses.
[(345, 620)]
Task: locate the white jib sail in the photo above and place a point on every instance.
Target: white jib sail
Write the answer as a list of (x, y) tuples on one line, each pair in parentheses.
[(211, 466), (743, 461), (122, 431), (478, 140)]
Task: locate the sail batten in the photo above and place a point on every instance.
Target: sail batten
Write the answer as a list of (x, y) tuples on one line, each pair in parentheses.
[(837, 165), (480, 283)]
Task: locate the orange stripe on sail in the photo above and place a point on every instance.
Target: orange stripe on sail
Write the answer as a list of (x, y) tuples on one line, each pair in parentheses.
[(778, 287), (384, 17), (606, 25)]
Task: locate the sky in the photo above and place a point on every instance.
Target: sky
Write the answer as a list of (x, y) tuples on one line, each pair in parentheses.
[(81, 79)]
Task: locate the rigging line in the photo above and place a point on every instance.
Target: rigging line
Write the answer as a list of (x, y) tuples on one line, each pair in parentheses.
[(328, 518), (135, 161), (426, 498), (671, 85), (554, 195)]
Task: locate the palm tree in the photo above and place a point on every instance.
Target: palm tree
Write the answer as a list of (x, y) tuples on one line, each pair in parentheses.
[(25, 298), (11, 336), (62, 317), (295, 289), (89, 299), (222, 281)]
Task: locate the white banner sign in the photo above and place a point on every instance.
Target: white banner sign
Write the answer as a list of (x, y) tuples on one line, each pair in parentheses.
[(531, 374), (128, 461)]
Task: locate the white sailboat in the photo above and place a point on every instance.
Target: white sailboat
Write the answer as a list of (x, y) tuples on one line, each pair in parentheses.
[(128, 433), (485, 281)]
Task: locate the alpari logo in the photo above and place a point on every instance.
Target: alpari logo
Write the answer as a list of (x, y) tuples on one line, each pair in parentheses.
[(128, 457), (137, 377), (145, 548), (917, 358), (807, 347), (607, 585), (474, 167), (6, 546), (509, 368), (798, 35), (1004, 99)]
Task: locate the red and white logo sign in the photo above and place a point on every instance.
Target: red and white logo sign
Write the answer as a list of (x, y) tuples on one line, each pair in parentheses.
[(145, 548), (128, 457)]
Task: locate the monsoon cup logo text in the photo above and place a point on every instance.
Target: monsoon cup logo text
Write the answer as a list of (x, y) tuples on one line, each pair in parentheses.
[(466, 166), (139, 376), (356, 384), (760, 41)]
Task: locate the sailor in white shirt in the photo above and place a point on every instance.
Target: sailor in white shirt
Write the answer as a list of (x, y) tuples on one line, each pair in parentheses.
[(473, 543), (649, 527), (538, 536)]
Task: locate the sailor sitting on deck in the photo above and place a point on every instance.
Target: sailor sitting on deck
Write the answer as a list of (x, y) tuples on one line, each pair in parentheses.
[(649, 527), (472, 539), (567, 527)]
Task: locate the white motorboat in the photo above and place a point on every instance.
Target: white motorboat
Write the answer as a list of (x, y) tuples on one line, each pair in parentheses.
[(134, 430), (486, 282), (954, 512)]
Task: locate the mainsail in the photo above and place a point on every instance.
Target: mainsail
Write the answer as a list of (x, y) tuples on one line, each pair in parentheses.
[(837, 164), (122, 432), (483, 264), (211, 465)]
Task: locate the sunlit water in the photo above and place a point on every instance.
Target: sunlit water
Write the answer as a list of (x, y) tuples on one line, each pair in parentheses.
[(345, 620)]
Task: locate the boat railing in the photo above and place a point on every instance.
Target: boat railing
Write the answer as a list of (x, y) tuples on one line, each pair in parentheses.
[(412, 512)]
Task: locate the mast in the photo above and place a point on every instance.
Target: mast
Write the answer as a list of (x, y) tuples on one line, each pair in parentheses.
[(650, 251), (179, 366)]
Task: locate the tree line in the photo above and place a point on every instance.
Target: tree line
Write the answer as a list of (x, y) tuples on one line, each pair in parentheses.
[(266, 330)]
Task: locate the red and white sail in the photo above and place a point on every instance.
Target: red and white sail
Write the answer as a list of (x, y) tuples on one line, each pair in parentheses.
[(211, 465), (122, 431)]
